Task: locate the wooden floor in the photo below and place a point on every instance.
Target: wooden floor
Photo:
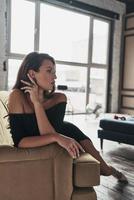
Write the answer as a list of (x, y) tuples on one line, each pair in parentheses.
[(120, 156)]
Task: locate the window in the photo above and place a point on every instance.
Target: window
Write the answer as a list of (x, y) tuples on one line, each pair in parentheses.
[(98, 80), (64, 34), (22, 26), (100, 41), (75, 79), (12, 71)]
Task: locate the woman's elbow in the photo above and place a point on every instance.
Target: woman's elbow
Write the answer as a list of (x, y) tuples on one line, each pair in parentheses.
[(23, 143)]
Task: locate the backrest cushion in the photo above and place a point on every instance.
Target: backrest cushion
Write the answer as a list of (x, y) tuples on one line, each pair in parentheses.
[(5, 136)]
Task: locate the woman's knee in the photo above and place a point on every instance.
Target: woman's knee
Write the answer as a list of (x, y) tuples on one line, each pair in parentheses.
[(86, 142)]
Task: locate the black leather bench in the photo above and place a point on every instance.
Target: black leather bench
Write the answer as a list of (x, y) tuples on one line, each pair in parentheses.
[(116, 130)]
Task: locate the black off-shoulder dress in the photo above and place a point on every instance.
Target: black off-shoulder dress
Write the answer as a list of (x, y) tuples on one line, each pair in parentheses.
[(25, 124)]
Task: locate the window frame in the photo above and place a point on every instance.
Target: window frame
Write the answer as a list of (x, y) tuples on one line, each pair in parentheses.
[(89, 63)]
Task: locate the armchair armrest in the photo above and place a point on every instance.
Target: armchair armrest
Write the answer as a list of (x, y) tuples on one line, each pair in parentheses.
[(13, 154), (86, 171), (35, 173)]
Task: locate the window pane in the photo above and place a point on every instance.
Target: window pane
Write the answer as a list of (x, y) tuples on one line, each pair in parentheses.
[(100, 42), (64, 34), (75, 80), (22, 26), (13, 66), (97, 96)]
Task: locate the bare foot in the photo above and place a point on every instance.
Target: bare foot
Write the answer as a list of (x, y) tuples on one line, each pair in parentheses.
[(119, 175)]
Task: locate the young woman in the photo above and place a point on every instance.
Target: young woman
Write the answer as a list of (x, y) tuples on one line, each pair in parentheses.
[(36, 113)]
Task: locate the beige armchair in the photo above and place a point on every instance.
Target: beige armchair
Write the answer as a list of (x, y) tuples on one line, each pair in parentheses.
[(43, 173)]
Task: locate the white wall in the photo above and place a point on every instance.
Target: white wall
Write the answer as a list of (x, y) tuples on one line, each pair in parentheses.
[(112, 5)]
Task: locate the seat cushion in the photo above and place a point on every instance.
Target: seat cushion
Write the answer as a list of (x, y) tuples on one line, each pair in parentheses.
[(86, 171), (124, 127)]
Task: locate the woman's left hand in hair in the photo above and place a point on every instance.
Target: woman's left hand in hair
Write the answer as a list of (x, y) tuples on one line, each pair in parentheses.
[(31, 88)]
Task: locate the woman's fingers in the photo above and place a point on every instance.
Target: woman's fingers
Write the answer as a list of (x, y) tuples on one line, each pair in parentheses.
[(29, 84), (80, 147), (26, 87), (27, 91), (71, 149), (31, 79), (72, 152), (76, 149)]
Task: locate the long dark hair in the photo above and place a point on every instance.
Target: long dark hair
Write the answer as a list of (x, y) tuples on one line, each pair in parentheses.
[(32, 61)]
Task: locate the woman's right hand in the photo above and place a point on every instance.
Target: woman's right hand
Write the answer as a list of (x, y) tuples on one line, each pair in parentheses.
[(71, 145), (32, 89)]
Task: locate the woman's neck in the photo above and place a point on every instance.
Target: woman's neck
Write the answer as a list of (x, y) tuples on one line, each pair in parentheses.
[(41, 96), (42, 99)]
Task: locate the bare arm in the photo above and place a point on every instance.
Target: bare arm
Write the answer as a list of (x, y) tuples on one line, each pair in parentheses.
[(69, 144), (36, 141)]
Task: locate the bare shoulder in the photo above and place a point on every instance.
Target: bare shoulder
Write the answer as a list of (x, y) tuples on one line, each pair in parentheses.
[(60, 97), (15, 101)]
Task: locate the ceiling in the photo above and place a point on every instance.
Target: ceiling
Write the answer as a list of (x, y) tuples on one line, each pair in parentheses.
[(129, 5)]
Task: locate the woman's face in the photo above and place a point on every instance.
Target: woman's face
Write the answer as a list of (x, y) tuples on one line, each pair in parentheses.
[(46, 75)]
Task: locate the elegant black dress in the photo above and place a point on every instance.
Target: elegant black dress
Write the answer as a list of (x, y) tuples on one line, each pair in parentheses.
[(25, 124)]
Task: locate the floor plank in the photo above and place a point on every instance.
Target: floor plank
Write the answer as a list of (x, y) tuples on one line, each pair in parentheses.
[(120, 156)]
